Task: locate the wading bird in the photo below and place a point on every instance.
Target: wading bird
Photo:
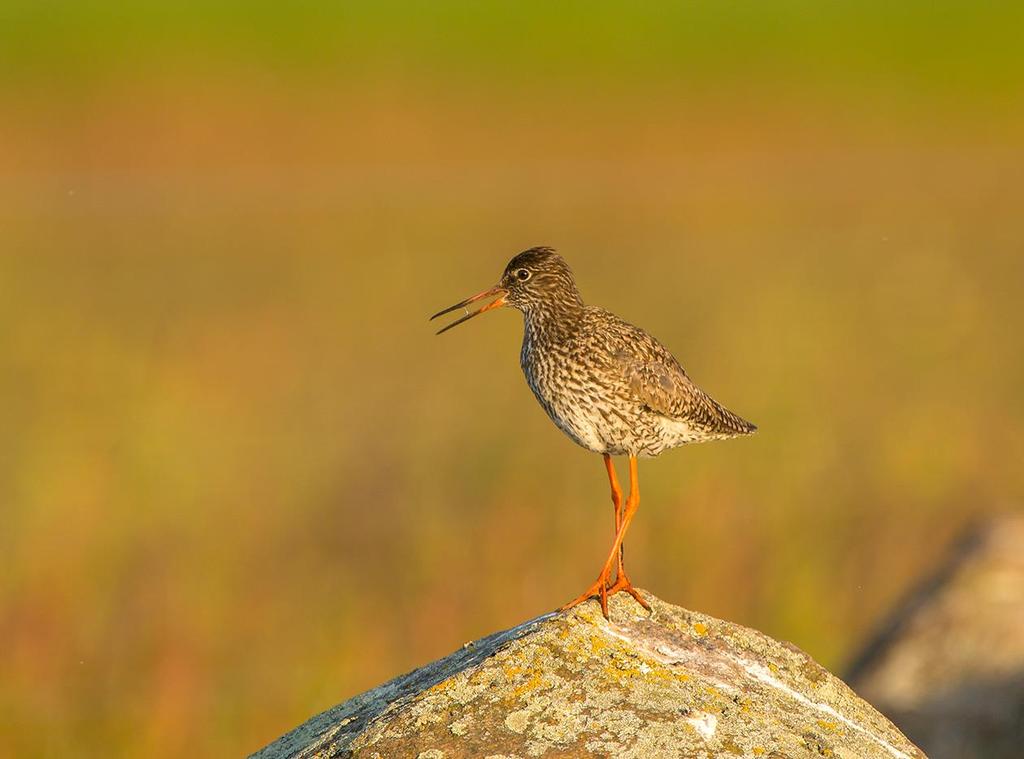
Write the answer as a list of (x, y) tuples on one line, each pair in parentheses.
[(608, 385)]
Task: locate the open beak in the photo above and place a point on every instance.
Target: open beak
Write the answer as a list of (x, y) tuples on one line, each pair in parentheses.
[(501, 292)]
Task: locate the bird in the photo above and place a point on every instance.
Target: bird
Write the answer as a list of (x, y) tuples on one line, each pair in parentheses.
[(609, 386)]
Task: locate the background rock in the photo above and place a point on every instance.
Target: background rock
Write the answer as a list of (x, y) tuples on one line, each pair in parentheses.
[(948, 665), (673, 684)]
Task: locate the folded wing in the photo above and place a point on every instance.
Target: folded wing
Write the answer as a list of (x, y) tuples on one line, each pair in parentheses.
[(658, 381)]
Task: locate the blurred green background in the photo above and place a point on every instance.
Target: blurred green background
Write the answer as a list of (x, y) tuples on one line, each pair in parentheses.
[(241, 480)]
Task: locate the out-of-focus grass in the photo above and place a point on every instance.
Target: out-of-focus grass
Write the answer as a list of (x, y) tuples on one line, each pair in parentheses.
[(241, 480), (936, 47)]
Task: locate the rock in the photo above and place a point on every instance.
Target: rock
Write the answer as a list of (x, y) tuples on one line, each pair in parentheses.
[(672, 684), (948, 664)]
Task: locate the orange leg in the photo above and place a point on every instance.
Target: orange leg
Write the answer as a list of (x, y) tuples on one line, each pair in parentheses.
[(613, 480), (622, 581), (603, 586)]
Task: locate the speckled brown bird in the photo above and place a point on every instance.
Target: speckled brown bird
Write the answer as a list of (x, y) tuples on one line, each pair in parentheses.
[(608, 385)]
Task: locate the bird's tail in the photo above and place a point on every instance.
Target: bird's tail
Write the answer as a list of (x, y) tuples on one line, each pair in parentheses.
[(729, 424)]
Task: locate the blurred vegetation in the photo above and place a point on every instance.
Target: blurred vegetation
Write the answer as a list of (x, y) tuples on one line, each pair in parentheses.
[(942, 45), (241, 480)]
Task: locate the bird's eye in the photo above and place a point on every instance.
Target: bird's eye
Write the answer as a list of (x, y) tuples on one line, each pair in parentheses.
[(522, 274)]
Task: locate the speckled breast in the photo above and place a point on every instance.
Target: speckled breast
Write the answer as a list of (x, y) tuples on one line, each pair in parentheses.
[(589, 404)]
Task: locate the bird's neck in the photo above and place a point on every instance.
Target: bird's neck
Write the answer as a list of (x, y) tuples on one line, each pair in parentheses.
[(553, 320)]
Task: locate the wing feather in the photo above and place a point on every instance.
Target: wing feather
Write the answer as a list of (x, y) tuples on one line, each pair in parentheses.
[(655, 378)]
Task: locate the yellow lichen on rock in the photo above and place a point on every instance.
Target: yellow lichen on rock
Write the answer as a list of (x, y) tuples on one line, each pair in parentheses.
[(671, 683)]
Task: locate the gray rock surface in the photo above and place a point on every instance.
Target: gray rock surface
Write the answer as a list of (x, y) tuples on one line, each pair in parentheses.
[(948, 665), (671, 684)]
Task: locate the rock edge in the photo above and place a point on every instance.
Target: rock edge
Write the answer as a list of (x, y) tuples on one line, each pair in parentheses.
[(674, 683)]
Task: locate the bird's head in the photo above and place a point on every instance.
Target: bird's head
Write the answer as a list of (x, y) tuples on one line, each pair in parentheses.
[(534, 279)]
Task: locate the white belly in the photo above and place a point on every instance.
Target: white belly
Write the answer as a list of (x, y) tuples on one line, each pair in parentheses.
[(582, 425)]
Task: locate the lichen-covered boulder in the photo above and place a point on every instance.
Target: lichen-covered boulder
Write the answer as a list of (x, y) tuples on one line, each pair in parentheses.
[(673, 683)]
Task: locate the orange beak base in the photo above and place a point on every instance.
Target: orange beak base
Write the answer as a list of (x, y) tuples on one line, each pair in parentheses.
[(501, 292)]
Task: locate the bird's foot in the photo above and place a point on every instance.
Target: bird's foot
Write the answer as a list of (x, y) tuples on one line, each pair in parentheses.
[(599, 590), (603, 587), (623, 583)]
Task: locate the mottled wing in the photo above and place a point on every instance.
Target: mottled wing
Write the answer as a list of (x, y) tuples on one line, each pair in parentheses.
[(653, 376), (656, 379)]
